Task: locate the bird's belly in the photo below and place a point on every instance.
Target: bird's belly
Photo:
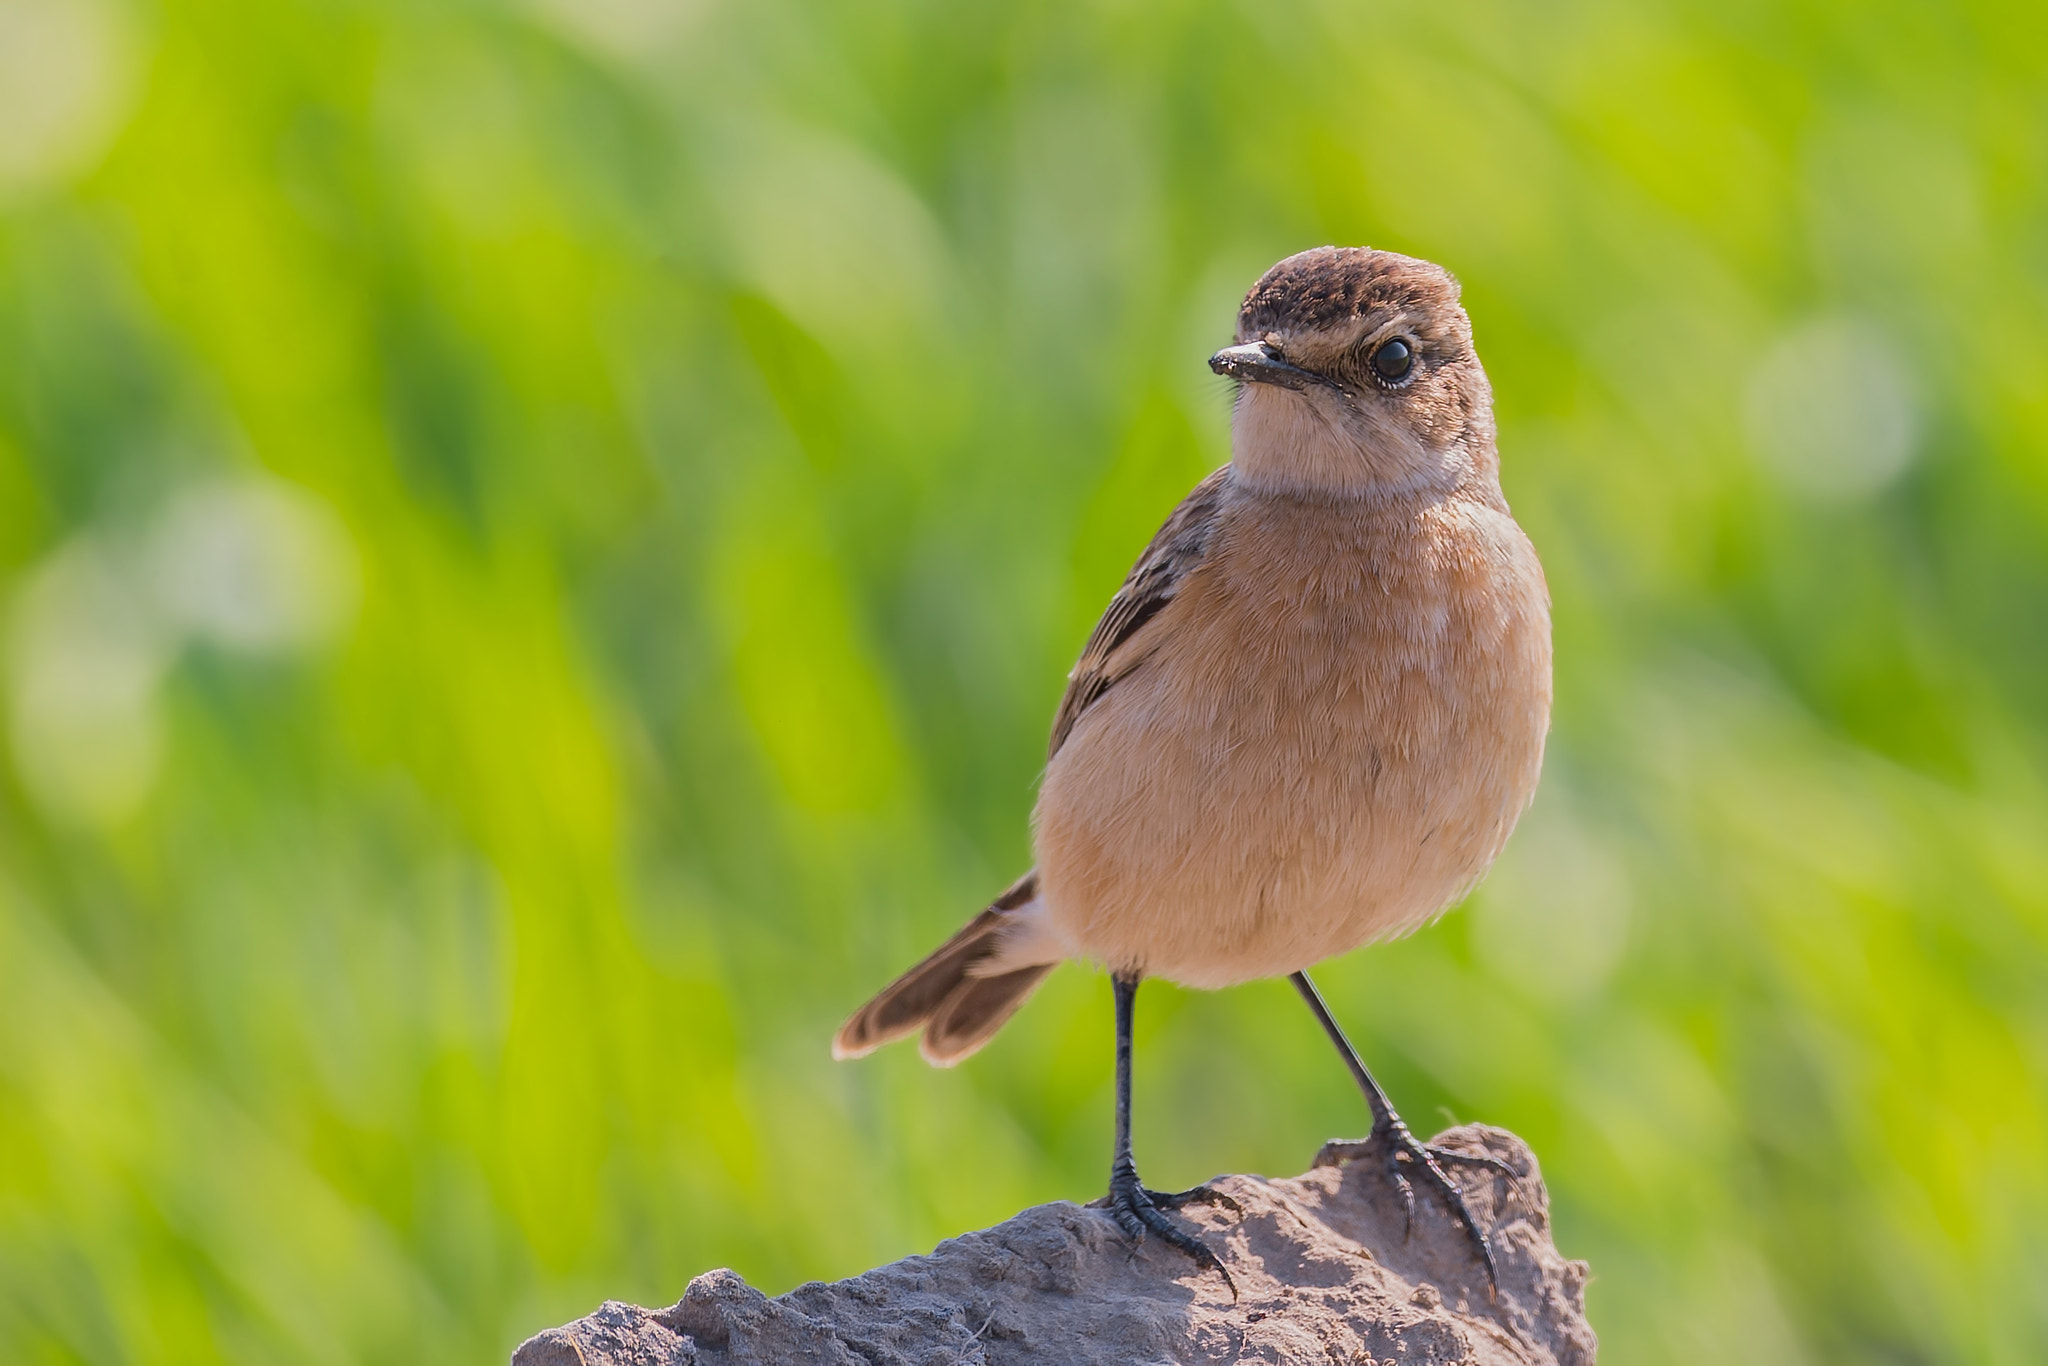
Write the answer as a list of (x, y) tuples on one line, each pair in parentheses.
[(1219, 816)]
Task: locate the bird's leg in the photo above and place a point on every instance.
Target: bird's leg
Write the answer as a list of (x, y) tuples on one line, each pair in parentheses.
[(1400, 1146), (1137, 1210)]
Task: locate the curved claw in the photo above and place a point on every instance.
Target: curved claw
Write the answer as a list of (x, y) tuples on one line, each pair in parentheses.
[(1401, 1184), (1338, 1151), (1403, 1144), (1138, 1211), (1195, 1195), (1487, 1160)]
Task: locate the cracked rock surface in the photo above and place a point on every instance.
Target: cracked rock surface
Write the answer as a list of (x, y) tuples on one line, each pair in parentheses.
[(1324, 1275)]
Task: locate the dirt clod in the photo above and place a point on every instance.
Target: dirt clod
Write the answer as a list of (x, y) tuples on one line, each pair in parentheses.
[(1323, 1272)]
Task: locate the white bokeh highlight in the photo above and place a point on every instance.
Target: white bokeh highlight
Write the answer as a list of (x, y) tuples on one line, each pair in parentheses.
[(1832, 410), (67, 79), (1554, 917), (629, 30), (252, 566), (85, 655)]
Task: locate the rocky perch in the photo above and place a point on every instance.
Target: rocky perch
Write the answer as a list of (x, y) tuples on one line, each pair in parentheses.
[(1323, 1271)]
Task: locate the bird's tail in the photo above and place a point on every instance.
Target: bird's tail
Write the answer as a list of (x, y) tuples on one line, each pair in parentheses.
[(958, 1008)]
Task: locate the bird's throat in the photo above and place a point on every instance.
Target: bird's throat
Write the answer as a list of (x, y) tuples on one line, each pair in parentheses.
[(1315, 443)]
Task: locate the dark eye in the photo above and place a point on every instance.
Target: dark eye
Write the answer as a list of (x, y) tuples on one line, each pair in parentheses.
[(1393, 360)]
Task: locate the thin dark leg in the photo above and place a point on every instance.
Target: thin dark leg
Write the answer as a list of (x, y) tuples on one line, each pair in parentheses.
[(1137, 1210), (1387, 1128), (1125, 990)]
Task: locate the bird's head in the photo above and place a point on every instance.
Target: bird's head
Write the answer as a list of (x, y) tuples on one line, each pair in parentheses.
[(1356, 375)]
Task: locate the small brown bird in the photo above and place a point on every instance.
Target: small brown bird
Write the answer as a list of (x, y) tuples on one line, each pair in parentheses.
[(1309, 718)]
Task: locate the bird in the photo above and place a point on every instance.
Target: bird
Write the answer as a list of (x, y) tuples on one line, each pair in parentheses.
[(1307, 721)]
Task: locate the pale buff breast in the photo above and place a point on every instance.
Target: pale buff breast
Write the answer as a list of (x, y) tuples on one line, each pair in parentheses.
[(1340, 719)]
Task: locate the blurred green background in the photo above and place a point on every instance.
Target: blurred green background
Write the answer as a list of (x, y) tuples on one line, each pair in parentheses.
[(539, 546)]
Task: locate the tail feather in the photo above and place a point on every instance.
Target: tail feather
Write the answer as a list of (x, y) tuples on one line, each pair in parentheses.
[(958, 1010), (974, 1012)]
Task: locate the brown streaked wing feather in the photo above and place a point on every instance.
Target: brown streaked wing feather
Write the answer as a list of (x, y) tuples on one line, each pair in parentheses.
[(1177, 548)]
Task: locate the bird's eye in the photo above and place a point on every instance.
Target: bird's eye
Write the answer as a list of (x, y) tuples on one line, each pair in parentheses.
[(1393, 359)]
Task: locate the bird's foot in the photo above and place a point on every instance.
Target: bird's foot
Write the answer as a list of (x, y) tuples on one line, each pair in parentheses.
[(1403, 1149), (1139, 1211)]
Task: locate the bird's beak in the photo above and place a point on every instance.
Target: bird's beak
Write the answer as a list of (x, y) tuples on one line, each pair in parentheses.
[(1258, 363)]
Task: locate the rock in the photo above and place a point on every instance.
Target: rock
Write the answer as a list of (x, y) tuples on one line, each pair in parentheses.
[(1323, 1271)]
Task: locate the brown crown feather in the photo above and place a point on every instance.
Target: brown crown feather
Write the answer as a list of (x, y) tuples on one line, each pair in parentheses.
[(1325, 287)]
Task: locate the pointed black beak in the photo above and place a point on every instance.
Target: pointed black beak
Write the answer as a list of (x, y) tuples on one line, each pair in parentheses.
[(1258, 363)]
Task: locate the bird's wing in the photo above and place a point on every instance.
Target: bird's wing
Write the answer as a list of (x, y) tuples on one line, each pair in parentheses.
[(1175, 551)]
